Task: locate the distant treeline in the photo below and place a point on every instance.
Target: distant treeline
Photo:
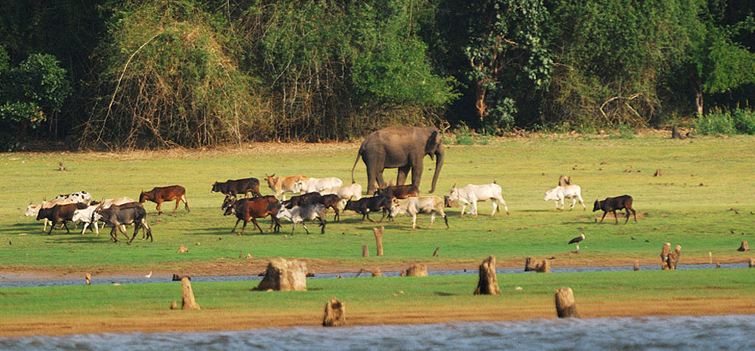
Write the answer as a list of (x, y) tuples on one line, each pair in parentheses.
[(192, 73)]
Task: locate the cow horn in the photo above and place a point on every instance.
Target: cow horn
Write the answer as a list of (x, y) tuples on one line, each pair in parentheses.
[(454, 186)]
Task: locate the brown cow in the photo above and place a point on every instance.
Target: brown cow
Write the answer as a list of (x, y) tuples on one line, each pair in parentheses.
[(247, 209), (280, 185), (167, 193), (60, 214), (399, 191)]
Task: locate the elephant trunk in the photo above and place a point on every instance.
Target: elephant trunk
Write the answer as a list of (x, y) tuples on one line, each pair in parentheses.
[(438, 165)]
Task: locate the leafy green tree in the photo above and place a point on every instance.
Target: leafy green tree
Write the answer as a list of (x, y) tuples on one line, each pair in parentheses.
[(30, 93)]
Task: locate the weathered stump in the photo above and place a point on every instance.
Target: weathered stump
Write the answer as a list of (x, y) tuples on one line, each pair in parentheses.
[(174, 305), (182, 249), (752, 262), (284, 275), (335, 313), (565, 305), (89, 279), (435, 254), (664, 256), (488, 283), (417, 270), (744, 247), (187, 295), (673, 258), (365, 253), (379, 239), (537, 265), (658, 173), (675, 134), (377, 273), (636, 265)]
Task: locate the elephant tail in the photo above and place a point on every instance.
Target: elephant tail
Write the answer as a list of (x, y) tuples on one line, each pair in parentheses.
[(355, 165)]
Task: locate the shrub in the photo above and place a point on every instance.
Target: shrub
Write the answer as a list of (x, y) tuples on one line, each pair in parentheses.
[(715, 122), (744, 121)]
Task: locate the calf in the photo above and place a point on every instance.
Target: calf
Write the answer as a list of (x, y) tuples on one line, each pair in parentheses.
[(471, 193), (167, 193), (299, 214), (366, 205), (415, 205), (252, 208), (238, 186), (399, 191), (612, 204), (280, 185), (118, 216), (559, 193), (319, 185), (60, 214)]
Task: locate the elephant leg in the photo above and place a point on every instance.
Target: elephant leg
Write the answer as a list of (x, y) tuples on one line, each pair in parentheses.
[(416, 172), (403, 172), (380, 182)]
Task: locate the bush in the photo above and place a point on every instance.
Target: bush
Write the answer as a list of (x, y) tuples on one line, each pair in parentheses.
[(744, 121), (715, 122)]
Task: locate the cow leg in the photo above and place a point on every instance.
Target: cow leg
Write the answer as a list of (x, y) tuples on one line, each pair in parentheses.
[(113, 234), (277, 221), (178, 202), (464, 207), (445, 218), (243, 228), (573, 202), (68, 231), (148, 230), (305, 228), (52, 225), (414, 221), (582, 203), (137, 225), (236, 225), (159, 206), (85, 228), (257, 225), (634, 214), (432, 219), (614, 217), (495, 206), (604, 216), (382, 218)]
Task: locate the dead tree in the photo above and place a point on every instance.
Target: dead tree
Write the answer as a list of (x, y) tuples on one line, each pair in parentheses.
[(488, 283), (670, 259), (365, 253), (564, 181), (565, 305)]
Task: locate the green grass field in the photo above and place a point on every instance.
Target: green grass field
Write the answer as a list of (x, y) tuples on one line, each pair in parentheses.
[(691, 204)]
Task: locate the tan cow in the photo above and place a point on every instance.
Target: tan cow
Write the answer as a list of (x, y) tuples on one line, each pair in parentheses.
[(280, 185)]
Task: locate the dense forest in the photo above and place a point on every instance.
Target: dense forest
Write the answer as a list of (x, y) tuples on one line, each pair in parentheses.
[(110, 74)]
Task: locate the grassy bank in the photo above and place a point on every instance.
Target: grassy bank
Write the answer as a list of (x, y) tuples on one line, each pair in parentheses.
[(232, 305), (703, 201)]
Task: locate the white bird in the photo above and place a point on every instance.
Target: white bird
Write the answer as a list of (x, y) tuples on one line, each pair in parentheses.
[(148, 275), (577, 240)]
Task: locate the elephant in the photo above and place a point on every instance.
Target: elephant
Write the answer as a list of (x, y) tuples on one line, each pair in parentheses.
[(402, 148)]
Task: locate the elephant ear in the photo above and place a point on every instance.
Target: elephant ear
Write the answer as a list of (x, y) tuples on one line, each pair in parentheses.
[(433, 143)]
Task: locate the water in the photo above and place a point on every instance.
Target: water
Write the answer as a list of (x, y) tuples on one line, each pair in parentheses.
[(9, 280), (644, 333)]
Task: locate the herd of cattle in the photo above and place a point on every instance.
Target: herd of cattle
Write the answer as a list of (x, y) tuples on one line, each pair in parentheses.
[(317, 195)]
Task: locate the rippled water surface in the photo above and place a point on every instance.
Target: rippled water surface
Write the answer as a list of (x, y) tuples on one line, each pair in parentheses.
[(646, 333)]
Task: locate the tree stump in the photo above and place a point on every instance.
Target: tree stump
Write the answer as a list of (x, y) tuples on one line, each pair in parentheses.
[(365, 253), (284, 275), (174, 305), (675, 134), (658, 173), (435, 254), (664, 256), (565, 305), (417, 270), (488, 283), (379, 239), (537, 265), (89, 279), (744, 247), (673, 258), (187, 295), (377, 273), (335, 313), (182, 249), (636, 265), (752, 262)]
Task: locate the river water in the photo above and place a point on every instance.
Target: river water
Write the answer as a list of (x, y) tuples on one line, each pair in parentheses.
[(10, 280), (734, 332)]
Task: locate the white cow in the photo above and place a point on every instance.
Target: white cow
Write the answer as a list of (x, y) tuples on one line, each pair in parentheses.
[(559, 193), (320, 185), (471, 193), (414, 205), (345, 193), (79, 196), (299, 214)]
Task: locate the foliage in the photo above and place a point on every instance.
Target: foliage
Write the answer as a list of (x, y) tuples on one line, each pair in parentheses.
[(716, 122), (169, 78), (744, 121), (507, 54), (30, 93)]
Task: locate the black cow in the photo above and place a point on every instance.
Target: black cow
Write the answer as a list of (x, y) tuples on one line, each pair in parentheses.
[(612, 204), (233, 187), (60, 214), (126, 214), (366, 205), (313, 198)]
